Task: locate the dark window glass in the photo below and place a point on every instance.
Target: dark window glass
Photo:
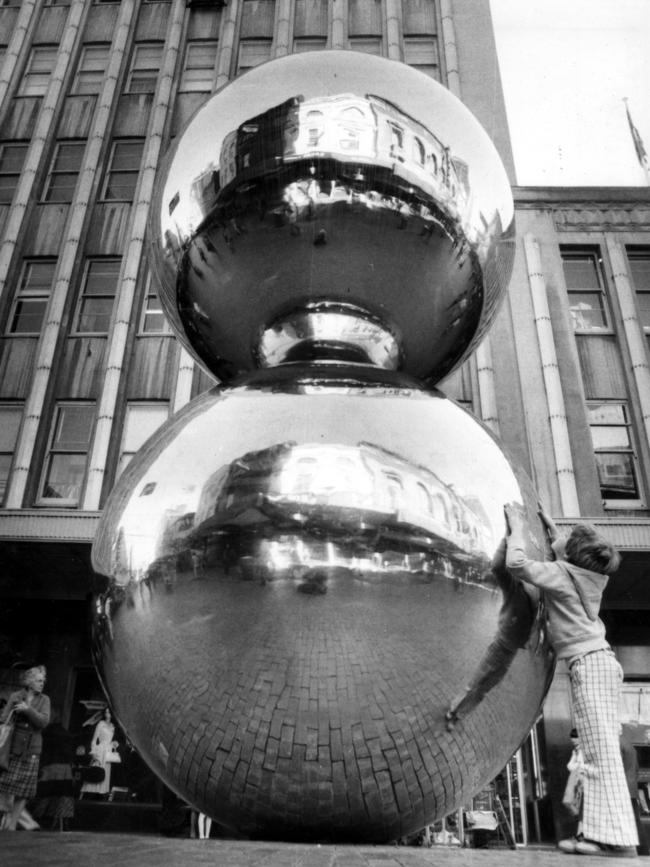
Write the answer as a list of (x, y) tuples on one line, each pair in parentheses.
[(12, 157), (98, 296), (64, 172), (584, 282), (65, 465), (32, 296)]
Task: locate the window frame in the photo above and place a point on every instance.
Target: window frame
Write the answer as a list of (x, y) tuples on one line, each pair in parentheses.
[(197, 44), (84, 295), (634, 254), (140, 73), (150, 292), (568, 253), (134, 405), (23, 291), (613, 503), (27, 80), (249, 42), (4, 147), (87, 77), (111, 172), (18, 408), (53, 172), (52, 451)]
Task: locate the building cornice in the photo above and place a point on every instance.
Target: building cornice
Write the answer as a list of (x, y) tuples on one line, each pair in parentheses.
[(51, 525), (589, 209)]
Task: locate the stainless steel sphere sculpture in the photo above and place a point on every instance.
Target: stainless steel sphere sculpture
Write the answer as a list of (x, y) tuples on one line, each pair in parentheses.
[(296, 569)]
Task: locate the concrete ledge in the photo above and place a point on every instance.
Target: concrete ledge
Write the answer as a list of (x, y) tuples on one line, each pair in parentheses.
[(48, 525)]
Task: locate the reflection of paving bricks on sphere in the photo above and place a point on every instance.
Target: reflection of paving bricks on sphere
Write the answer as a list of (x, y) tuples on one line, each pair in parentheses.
[(287, 715)]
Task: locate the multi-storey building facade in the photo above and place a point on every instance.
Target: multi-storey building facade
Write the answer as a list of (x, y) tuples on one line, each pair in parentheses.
[(91, 94)]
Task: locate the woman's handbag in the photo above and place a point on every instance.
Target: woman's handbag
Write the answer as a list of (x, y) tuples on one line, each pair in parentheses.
[(573, 792), (6, 736)]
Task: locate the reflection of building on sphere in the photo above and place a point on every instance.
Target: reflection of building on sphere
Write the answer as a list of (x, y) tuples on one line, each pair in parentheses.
[(380, 170), (317, 589)]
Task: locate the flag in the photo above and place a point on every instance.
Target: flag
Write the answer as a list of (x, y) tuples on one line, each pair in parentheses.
[(641, 154)]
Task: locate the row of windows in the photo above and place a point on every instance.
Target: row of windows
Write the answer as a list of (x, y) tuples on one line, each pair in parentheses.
[(66, 458), (95, 306), (64, 468), (119, 182), (609, 421), (585, 281), (199, 64)]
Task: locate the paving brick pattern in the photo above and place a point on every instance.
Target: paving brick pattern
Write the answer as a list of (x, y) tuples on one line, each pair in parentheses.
[(107, 850), (316, 717)]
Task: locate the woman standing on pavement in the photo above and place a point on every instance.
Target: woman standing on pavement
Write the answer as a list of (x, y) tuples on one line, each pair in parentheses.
[(31, 710)]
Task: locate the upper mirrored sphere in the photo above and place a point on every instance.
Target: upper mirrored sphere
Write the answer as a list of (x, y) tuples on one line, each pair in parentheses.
[(332, 205)]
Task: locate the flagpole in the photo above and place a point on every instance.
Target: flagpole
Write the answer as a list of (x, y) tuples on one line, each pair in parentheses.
[(639, 146)]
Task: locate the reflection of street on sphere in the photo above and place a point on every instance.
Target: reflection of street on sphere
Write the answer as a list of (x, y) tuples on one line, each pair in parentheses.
[(298, 586), (328, 180)]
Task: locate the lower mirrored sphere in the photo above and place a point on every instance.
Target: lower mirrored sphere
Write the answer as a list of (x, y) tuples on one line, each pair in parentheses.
[(297, 583)]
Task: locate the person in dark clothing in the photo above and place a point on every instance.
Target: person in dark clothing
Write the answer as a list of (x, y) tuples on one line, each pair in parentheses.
[(55, 790), (631, 768)]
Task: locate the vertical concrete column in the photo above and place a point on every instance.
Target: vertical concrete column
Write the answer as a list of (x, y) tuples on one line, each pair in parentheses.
[(483, 355), (17, 44), (632, 327), (122, 320), (449, 48), (183, 390), (486, 391), (227, 42), (339, 24), (283, 27), (52, 325), (46, 119), (550, 369), (394, 30)]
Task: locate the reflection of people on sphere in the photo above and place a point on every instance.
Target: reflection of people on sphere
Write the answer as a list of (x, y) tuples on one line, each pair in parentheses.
[(516, 618), (30, 710), (573, 586), (103, 751)]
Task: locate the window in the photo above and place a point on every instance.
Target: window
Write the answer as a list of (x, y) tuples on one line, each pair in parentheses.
[(65, 463), (421, 52), (585, 285), (12, 157), (615, 459), (198, 71), (252, 52), (153, 319), (123, 169), (91, 68), (32, 296), (96, 303), (366, 44), (10, 418), (309, 43), (256, 33), (310, 25), (640, 269), (36, 76), (145, 66), (142, 420), (64, 171)]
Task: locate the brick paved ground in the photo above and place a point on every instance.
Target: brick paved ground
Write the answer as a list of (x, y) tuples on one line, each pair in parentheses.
[(129, 850)]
